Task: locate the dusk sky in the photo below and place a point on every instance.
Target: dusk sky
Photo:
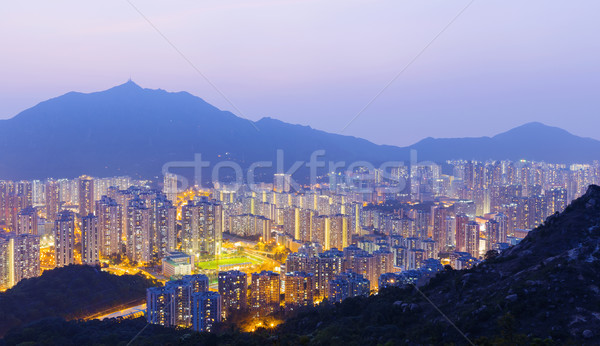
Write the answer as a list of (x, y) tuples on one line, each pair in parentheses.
[(318, 63)]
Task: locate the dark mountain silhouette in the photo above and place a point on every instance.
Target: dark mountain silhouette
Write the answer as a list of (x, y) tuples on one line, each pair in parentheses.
[(71, 292), (130, 130), (532, 141), (135, 131)]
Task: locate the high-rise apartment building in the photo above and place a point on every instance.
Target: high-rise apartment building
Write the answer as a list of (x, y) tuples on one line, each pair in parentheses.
[(329, 264), (250, 225), (338, 237), (301, 262), (299, 290), (363, 263), (206, 310), (139, 240), (163, 226), (440, 213), (26, 256), (202, 223), (52, 200), (27, 221), (233, 288), (86, 195), (64, 238), (472, 239), (502, 221), (282, 182), (174, 304), (348, 285), (264, 293), (170, 186), (25, 189), (461, 222), (182, 297), (6, 273), (37, 193), (384, 261), (160, 306), (90, 240), (110, 226), (492, 231), (198, 282), (19, 258)]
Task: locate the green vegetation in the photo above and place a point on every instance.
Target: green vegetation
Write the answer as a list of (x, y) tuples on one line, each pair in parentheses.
[(71, 292)]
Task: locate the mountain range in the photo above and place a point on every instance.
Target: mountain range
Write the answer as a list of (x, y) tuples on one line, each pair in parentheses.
[(129, 130)]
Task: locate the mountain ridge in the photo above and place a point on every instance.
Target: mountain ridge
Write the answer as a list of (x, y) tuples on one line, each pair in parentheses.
[(130, 130)]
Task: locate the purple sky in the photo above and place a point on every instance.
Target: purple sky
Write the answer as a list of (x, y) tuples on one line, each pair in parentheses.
[(501, 64)]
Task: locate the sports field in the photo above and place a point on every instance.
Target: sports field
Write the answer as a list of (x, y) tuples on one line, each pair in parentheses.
[(212, 265)]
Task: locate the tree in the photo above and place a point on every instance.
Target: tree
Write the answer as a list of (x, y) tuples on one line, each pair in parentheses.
[(491, 254)]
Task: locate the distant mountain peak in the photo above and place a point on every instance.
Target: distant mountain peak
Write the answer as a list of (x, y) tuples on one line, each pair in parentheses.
[(534, 124), (129, 85), (135, 130), (531, 126), (533, 130)]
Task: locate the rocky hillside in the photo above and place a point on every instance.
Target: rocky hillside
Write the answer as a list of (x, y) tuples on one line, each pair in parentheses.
[(545, 289)]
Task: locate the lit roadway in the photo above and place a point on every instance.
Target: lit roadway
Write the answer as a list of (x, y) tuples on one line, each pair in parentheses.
[(138, 309), (232, 238), (122, 270), (261, 255), (122, 310)]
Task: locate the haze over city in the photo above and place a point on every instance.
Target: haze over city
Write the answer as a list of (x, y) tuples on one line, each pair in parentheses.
[(496, 66)]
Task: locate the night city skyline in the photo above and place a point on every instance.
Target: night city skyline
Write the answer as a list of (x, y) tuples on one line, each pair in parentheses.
[(300, 172)]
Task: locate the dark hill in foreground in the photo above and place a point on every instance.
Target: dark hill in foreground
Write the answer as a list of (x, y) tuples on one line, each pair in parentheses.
[(71, 292), (544, 288), (543, 291)]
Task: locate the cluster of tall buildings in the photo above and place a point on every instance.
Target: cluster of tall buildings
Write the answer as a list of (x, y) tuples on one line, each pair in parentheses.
[(86, 220), (481, 206), (189, 303), (19, 258), (137, 223), (321, 216), (202, 227), (478, 206), (452, 213), (185, 303), (325, 267)]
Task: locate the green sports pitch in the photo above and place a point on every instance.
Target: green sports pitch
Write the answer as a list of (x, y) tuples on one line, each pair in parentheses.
[(212, 265)]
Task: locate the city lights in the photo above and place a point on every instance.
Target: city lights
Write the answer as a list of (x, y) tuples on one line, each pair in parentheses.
[(267, 253)]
